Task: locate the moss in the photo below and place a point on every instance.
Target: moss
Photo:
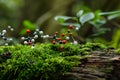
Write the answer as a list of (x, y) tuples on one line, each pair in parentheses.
[(45, 61), (117, 51)]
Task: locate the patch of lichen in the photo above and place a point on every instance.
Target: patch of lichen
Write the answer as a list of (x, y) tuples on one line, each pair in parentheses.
[(45, 61)]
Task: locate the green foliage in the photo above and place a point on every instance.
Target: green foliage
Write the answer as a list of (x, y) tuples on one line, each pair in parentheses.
[(97, 19), (40, 63), (27, 25), (44, 62), (116, 39), (117, 51), (88, 47), (86, 17)]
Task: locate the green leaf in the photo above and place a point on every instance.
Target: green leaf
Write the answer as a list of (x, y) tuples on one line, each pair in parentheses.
[(86, 17), (62, 19), (116, 39), (110, 17), (29, 25), (79, 14), (100, 31), (109, 13), (97, 16), (23, 31), (73, 24), (98, 23)]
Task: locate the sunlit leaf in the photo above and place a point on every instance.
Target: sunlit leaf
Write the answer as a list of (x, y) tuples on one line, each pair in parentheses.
[(79, 13), (73, 24), (113, 16), (29, 25), (61, 20), (116, 39), (23, 32), (62, 17), (86, 17), (109, 13), (97, 16)]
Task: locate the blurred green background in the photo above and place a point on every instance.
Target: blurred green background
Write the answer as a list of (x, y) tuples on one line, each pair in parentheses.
[(42, 13)]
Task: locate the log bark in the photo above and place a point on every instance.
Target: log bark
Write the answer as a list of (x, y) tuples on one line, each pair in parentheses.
[(99, 66)]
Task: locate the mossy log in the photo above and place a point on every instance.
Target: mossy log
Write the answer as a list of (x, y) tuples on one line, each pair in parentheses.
[(90, 61), (100, 65)]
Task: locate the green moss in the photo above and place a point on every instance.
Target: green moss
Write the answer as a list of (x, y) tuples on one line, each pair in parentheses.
[(45, 61), (117, 51)]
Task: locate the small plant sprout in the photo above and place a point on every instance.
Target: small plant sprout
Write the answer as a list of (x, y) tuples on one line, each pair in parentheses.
[(30, 40), (3, 35)]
